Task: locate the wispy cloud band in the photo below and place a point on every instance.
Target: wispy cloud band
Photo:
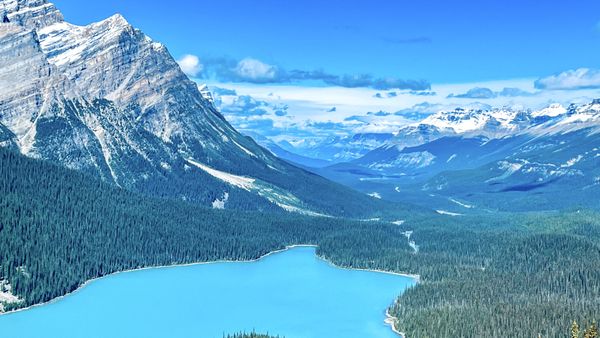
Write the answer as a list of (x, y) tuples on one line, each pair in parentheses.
[(574, 79), (251, 70)]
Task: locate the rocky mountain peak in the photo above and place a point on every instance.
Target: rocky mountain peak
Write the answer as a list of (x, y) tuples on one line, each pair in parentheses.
[(31, 14), (107, 100)]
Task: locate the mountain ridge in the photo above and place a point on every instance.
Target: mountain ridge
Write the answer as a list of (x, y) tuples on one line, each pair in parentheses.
[(503, 159), (107, 100)]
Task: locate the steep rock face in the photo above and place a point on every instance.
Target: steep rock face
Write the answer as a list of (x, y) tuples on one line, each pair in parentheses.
[(54, 72), (24, 77), (107, 100), (7, 138), (112, 60), (29, 13), (104, 99)]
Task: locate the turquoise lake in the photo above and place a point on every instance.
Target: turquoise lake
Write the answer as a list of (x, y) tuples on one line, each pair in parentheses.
[(292, 293)]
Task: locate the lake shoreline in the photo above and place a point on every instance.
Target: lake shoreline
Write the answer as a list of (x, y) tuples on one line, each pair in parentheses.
[(391, 320), (417, 278), (387, 321)]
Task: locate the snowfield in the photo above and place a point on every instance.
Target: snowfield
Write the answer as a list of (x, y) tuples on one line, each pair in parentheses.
[(237, 181)]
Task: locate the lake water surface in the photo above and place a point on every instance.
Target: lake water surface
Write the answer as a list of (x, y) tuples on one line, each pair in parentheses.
[(292, 293)]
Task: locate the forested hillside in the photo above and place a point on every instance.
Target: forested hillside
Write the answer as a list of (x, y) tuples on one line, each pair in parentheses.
[(507, 276), (59, 228), (511, 275)]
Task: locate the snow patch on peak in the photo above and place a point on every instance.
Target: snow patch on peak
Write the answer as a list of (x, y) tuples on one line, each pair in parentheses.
[(157, 46), (466, 121), (553, 110), (572, 161), (65, 43), (116, 19), (206, 93)]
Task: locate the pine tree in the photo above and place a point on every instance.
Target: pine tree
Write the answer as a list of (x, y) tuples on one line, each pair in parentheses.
[(592, 331), (575, 330)]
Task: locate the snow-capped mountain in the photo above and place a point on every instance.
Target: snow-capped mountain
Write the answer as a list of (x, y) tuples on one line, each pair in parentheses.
[(108, 100), (406, 149), (472, 122), (87, 96), (416, 134), (469, 151), (552, 171), (495, 123)]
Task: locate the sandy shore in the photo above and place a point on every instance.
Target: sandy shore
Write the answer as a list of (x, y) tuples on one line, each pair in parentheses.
[(415, 277), (389, 319)]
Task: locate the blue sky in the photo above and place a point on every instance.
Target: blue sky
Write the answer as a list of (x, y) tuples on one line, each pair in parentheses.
[(438, 41), (312, 68)]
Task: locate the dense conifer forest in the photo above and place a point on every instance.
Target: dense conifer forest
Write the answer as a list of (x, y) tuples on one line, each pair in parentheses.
[(513, 276), (59, 228), (501, 275)]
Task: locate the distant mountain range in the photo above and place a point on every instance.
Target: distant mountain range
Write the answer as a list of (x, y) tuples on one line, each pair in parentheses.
[(501, 159), (284, 154), (328, 151), (107, 100)]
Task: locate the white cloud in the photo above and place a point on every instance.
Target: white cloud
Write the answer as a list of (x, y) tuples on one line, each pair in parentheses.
[(309, 110), (256, 70), (582, 78), (190, 65)]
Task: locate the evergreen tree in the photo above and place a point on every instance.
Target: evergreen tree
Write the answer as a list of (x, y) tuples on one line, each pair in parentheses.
[(575, 330), (592, 331)]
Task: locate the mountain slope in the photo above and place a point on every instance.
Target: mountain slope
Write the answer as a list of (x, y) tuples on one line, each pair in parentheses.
[(515, 163), (551, 172), (60, 228), (107, 100)]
